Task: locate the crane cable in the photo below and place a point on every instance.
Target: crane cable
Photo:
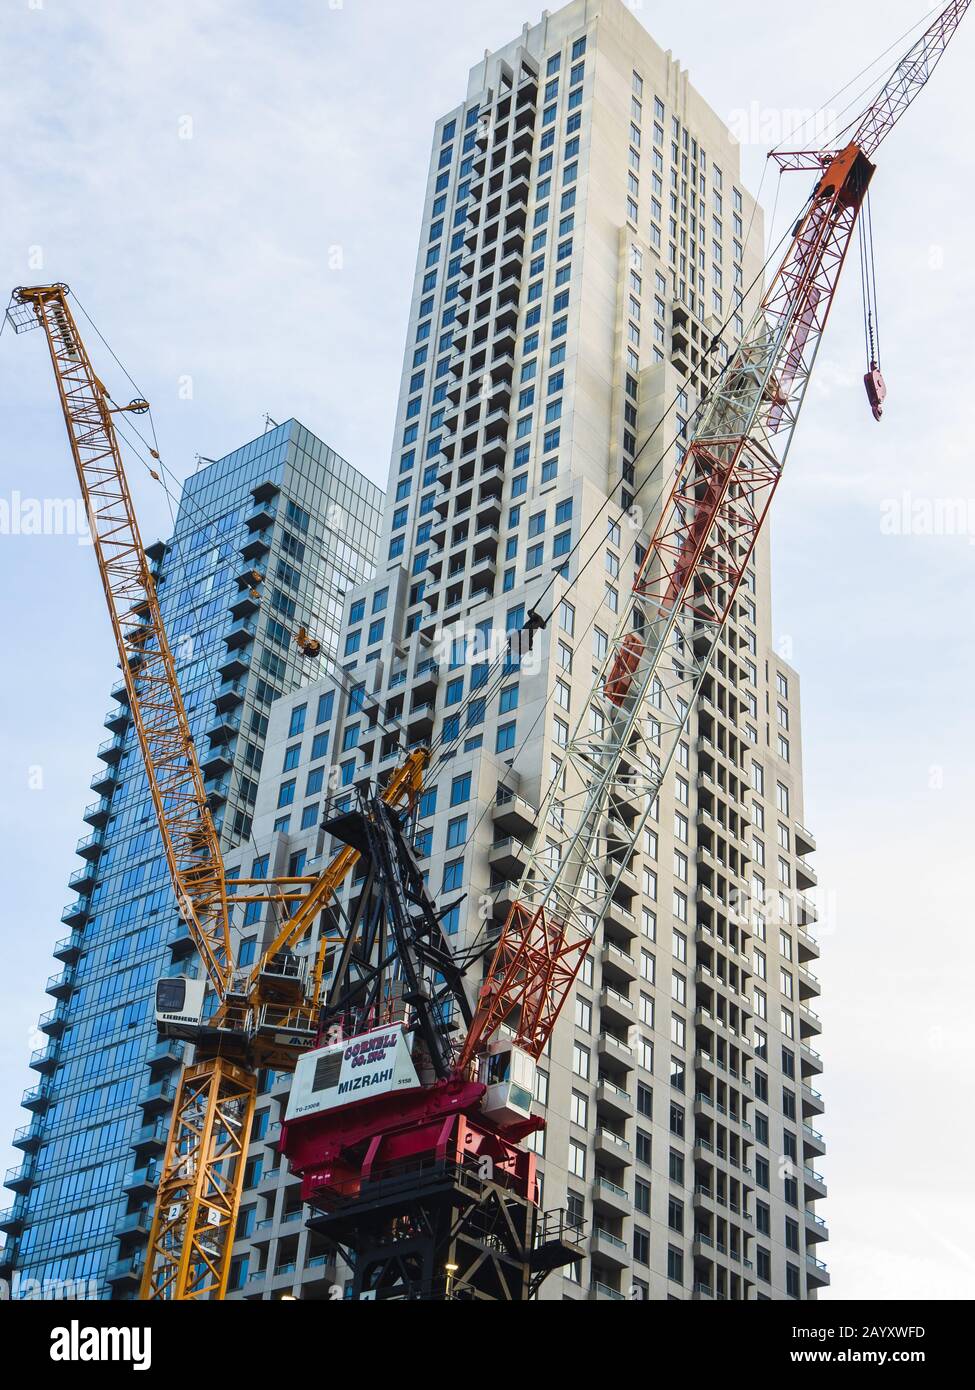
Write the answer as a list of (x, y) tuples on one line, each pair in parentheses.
[(868, 282)]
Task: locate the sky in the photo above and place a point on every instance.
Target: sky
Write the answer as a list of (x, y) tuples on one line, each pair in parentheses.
[(233, 190)]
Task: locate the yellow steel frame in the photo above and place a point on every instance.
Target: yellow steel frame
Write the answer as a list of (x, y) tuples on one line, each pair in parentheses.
[(192, 1234), (175, 781), (193, 1225)]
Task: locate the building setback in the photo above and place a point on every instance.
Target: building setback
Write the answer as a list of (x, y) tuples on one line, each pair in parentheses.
[(585, 237), (267, 539)]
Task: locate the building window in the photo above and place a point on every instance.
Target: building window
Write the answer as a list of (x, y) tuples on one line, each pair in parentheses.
[(453, 875), (456, 832), (505, 737), (460, 790)]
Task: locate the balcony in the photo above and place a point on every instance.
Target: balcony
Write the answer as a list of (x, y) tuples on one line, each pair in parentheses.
[(54, 1022), (82, 881), (179, 940), (141, 1182), (809, 1060), (158, 1096), (807, 911), (482, 575), (617, 963), (90, 846), (613, 1101), (28, 1138), (612, 1148), (508, 856), (217, 793), (603, 1293), (615, 1052), (135, 1223), (240, 633), (609, 1249), (808, 984), (260, 517), (504, 898), (75, 913), (817, 1273), (68, 949), (98, 812), (622, 878), (167, 1053), (805, 840), (806, 876), (810, 1023), (812, 1100), (236, 665), (426, 677), (127, 1272), (419, 721), (256, 548), (104, 782), (229, 696), (111, 750), (117, 718), (45, 1059), (218, 761), (610, 1197), (60, 986), (11, 1221), (815, 1183), (808, 946), (21, 1178), (151, 1136), (813, 1143), (513, 815), (616, 1008)]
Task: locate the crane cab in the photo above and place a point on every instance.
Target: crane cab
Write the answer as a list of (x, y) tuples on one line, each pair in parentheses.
[(508, 1072), (179, 1006)]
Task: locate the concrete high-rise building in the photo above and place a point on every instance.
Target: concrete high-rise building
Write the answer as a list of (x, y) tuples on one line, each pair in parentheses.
[(585, 237), (286, 519)]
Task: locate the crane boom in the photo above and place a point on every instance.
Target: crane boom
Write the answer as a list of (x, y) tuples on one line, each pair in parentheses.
[(907, 79), (898, 92), (175, 780)]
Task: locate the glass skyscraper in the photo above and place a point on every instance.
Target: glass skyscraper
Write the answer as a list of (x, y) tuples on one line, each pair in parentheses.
[(267, 541)]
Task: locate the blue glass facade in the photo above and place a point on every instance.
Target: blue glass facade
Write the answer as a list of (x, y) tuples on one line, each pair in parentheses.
[(267, 540)]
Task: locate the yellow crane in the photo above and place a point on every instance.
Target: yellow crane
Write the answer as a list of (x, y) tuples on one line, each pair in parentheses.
[(264, 1017)]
